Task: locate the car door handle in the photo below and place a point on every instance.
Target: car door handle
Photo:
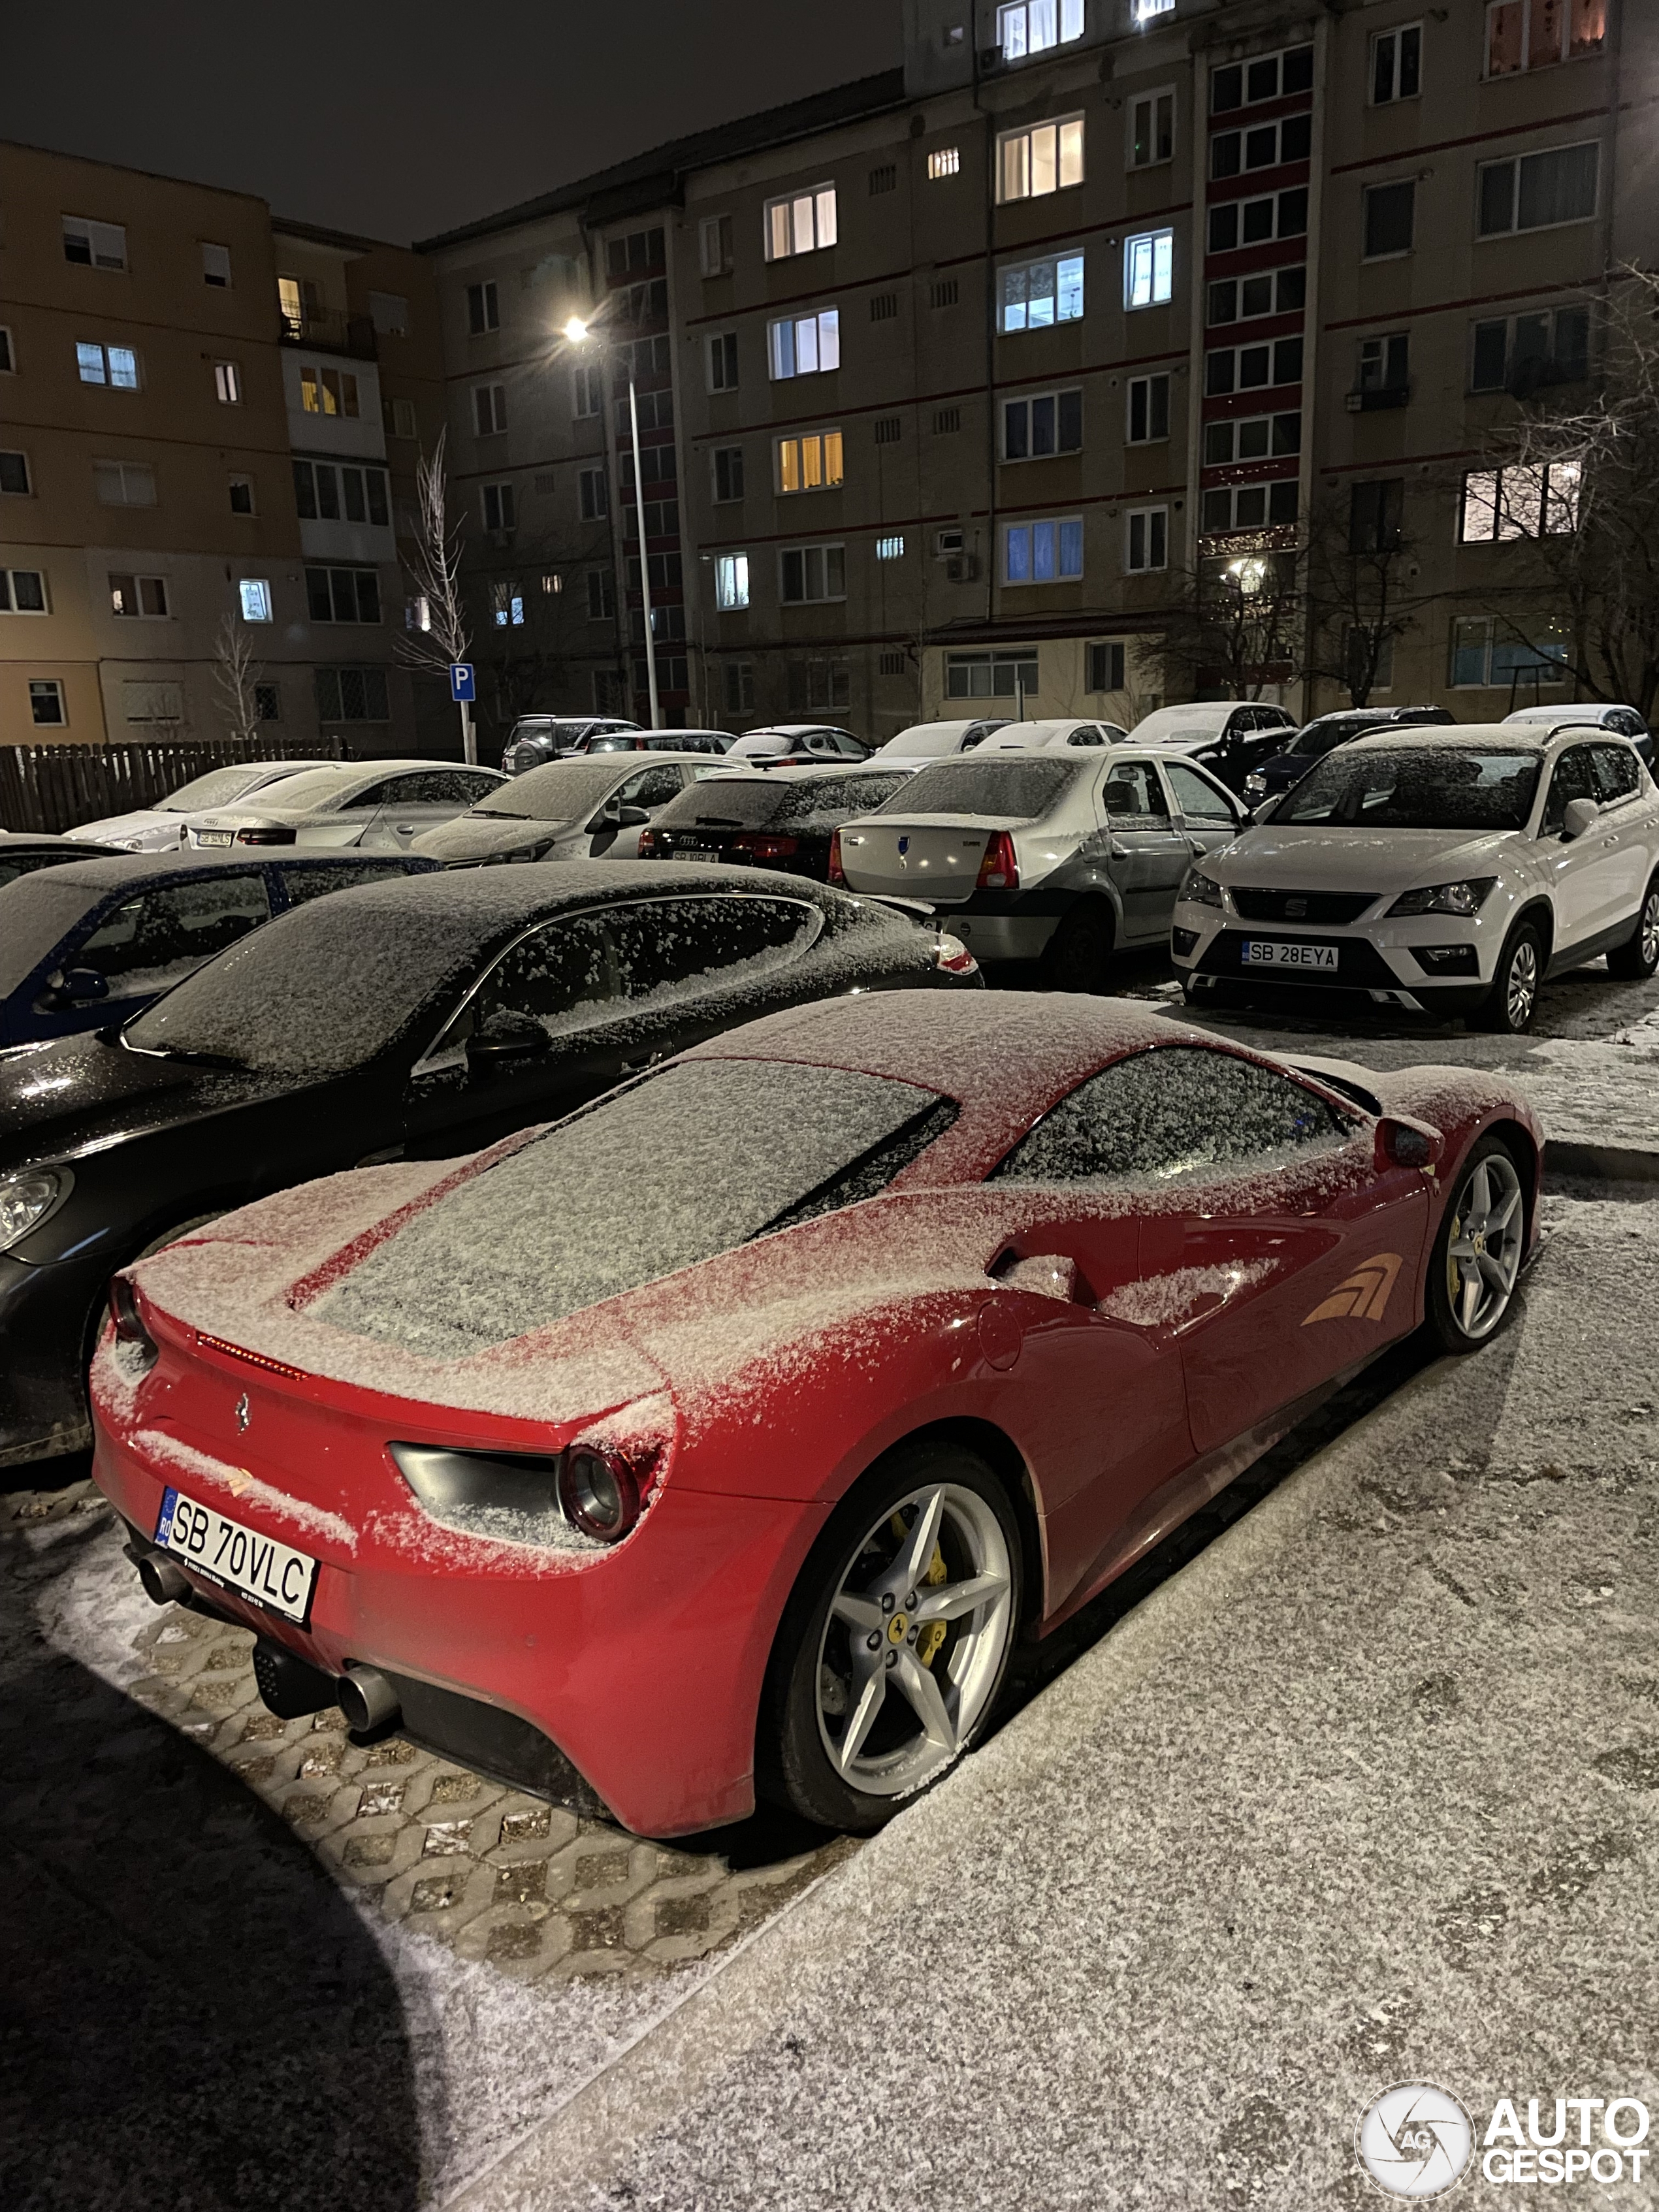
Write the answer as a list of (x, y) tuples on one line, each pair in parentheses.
[(1196, 845), (403, 828)]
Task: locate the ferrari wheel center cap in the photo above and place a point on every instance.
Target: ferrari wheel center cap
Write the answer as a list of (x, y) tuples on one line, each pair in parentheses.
[(1478, 1240), (897, 1629)]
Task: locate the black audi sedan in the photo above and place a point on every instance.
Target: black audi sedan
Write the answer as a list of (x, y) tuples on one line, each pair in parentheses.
[(783, 818), (416, 1018)]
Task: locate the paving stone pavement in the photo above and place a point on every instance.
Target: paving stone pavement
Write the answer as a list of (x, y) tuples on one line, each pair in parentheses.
[(530, 1888)]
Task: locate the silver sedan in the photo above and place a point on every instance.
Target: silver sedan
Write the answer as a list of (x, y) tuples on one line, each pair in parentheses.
[(380, 805)]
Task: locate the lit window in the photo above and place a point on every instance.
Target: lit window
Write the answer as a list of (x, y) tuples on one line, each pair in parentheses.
[(1031, 27), (117, 366), (138, 598), (328, 390), (227, 383), (890, 548), (944, 161), (254, 592), (812, 463), (1147, 534), (731, 581), (1034, 294), (802, 223), (804, 345), (1149, 269), (1047, 158), (507, 607), (1042, 552), (1535, 502), (1143, 10), (1529, 34)]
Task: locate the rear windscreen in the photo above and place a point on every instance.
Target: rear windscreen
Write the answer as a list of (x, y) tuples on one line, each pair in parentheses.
[(1007, 785), (718, 804), (687, 1165)]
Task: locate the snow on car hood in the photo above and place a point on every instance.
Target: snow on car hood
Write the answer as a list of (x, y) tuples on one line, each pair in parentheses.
[(1319, 858), (159, 832), (465, 839)]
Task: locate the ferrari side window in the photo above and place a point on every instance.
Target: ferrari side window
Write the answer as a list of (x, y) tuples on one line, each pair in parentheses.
[(1172, 1111)]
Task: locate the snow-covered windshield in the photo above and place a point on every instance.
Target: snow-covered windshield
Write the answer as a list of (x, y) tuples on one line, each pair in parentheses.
[(1179, 722), (220, 786), (1013, 785), (689, 1163), (1318, 739), (323, 990), (564, 791), (1416, 787), (313, 787)]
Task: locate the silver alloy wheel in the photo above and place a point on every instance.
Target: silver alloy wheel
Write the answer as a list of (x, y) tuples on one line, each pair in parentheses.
[(1483, 1256), (913, 1644), (1651, 927), (1520, 983)]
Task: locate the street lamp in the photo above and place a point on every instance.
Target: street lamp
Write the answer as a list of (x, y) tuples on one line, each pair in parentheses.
[(582, 333)]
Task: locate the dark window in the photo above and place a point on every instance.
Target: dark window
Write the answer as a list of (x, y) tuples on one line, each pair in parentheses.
[(13, 472), (1198, 800), (1574, 778), (150, 942), (1617, 771), (1375, 511), (352, 695), (1106, 667), (482, 312), (1170, 1112), (1390, 217), (303, 884)]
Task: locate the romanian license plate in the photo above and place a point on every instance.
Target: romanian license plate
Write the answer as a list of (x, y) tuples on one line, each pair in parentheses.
[(213, 838), (237, 1558), (1281, 952)]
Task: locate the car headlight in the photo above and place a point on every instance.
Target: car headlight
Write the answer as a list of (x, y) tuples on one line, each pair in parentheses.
[(25, 1201), (1203, 891), (1466, 898)]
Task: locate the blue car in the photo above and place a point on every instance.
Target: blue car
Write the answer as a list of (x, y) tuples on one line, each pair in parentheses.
[(87, 945)]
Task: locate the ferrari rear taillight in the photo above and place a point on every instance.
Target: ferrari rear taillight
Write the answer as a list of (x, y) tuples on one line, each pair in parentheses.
[(141, 1349), (600, 1494), (761, 847), (998, 871), (837, 873), (521, 1496)]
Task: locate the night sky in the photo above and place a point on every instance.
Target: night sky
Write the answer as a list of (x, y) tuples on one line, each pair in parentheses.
[(402, 121)]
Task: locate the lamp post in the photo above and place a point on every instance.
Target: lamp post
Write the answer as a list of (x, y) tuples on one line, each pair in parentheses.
[(581, 333)]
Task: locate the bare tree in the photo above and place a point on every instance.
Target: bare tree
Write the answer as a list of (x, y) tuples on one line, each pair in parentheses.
[(1362, 570), (1236, 626), (236, 677), (1576, 488), (440, 635)]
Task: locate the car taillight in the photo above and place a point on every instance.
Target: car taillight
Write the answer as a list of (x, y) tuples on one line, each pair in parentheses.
[(952, 955), (761, 848), (998, 871), (837, 873), (264, 836), (649, 846), (142, 1350)]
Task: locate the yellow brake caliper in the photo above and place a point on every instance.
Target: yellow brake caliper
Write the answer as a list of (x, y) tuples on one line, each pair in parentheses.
[(1454, 1273), (933, 1633)]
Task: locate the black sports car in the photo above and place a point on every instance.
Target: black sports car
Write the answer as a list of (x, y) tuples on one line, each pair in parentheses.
[(785, 817), (21, 852), (420, 1018)]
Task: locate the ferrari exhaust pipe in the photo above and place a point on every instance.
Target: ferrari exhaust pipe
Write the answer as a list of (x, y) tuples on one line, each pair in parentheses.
[(366, 1699), (164, 1583)]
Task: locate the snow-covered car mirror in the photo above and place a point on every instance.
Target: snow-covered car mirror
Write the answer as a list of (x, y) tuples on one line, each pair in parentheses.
[(1404, 1144), (1581, 814)]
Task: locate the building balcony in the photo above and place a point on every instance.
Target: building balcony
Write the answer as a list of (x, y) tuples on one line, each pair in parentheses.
[(327, 331)]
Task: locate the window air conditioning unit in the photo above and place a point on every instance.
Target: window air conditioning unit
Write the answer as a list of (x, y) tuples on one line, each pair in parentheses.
[(962, 568), (990, 57)]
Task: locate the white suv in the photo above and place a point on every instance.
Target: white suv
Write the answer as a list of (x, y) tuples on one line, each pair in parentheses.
[(1443, 871)]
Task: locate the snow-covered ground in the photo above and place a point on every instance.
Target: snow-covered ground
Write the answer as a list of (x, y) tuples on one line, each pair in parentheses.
[(1370, 1792)]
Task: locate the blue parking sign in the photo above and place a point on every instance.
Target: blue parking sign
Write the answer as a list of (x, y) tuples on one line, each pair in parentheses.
[(462, 685)]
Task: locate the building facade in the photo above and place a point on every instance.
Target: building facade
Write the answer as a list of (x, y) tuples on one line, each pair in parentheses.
[(1107, 353), (207, 429)]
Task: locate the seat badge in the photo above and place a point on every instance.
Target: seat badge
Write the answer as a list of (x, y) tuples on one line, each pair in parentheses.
[(241, 1415)]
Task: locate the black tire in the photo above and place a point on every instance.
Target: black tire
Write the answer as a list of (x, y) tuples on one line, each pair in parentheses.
[(1441, 1303), (1512, 1002), (1078, 957), (793, 1766), (1638, 958)]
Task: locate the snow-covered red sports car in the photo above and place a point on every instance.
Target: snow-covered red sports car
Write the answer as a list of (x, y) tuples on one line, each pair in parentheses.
[(723, 1437)]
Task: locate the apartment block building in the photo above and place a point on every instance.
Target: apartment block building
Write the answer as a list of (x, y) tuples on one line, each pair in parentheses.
[(204, 420), (963, 382)]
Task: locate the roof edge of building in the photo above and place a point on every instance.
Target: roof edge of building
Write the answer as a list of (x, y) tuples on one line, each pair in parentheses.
[(666, 164)]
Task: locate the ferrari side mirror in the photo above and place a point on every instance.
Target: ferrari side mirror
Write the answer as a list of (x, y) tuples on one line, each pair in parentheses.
[(1404, 1144)]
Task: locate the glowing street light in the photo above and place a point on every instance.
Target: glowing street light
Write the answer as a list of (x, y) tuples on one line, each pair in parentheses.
[(581, 333)]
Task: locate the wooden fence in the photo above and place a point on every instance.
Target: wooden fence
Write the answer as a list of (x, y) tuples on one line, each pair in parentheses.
[(53, 787)]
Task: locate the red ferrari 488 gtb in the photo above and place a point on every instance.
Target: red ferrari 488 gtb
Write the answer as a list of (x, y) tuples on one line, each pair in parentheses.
[(722, 1436)]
